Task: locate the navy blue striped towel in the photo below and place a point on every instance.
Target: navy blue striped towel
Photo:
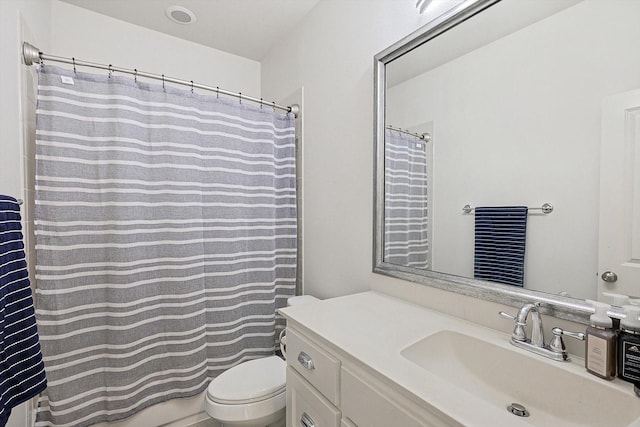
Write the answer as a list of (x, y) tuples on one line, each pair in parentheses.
[(22, 373), (500, 239)]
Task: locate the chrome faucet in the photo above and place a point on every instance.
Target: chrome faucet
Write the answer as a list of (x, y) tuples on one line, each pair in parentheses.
[(537, 333), (555, 350)]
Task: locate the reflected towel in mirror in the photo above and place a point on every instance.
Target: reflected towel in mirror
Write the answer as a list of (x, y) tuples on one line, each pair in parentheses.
[(500, 239)]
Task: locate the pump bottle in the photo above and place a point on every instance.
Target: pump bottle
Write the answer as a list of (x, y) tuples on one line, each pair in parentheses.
[(629, 347), (600, 354), (618, 300)]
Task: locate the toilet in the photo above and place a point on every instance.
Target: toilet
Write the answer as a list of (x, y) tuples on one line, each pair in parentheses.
[(251, 394)]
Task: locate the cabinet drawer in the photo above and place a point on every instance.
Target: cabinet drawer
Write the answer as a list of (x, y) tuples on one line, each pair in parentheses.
[(306, 407), (321, 369)]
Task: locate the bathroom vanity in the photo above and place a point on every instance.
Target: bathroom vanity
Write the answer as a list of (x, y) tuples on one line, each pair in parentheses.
[(373, 360)]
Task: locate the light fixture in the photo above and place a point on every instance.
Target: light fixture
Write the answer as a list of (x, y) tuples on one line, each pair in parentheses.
[(422, 5), (180, 15)]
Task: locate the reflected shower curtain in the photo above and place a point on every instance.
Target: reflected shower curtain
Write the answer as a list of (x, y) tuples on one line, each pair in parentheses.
[(406, 217), (165, 240)]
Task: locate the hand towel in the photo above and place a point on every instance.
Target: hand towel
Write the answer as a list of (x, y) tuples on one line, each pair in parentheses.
[(500, 240)]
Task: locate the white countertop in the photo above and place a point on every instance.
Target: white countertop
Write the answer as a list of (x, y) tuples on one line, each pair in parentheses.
[(373, 328)]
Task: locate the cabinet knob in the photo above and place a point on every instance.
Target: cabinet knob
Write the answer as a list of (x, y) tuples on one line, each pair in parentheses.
[(306, 420), (306, 361)]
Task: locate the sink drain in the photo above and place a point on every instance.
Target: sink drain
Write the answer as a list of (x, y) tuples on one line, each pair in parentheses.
[(518, 409)]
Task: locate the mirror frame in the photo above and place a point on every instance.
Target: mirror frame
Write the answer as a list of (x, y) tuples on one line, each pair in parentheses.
[(555, 305)]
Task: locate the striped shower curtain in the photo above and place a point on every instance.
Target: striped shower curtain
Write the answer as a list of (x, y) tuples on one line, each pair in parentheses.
[(165, 240), (406, 216)]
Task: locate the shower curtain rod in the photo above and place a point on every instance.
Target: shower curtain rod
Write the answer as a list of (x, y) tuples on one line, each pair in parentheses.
[(424, 136), (32, 55)]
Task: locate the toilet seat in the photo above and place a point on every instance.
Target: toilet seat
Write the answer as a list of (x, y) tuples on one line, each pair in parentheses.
[(249, 382)]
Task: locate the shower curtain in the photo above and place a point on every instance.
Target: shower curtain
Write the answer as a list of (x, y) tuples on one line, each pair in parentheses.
[(406, 216), (165, 240)]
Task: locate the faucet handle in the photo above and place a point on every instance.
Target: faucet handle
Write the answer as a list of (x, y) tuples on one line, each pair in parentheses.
[(577, 335), (518, 333), (506, 315), (557, 344)]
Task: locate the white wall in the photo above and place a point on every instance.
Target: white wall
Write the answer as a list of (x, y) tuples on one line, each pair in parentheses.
[(93, 37), (20, 19), (539, 142), (331, 55)]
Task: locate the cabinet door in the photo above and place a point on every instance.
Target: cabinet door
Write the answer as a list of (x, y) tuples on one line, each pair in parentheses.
[(367, 406), (347, 423), (306, 407)]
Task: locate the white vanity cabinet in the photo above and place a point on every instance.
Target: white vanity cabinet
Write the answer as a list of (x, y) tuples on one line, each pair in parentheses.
[(313, 383), (327, 389), (371, 360)]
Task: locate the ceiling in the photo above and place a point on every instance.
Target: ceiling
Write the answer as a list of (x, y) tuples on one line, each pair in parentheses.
[(248, 28)]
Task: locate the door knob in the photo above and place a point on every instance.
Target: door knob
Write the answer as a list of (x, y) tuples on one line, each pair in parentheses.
[(609, 276)]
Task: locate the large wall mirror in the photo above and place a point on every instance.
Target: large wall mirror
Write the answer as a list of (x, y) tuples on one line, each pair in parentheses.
[(501, 104)]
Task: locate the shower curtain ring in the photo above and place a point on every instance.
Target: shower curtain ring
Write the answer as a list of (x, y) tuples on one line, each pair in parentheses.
[(73, 59), (163, 81), (274, 106), (218, 92), (240, 96), (261, 103), (135, 75), (110, 71), (191, 86)]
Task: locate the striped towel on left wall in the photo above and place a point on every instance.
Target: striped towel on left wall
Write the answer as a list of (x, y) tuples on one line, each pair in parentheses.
[(22, 373)]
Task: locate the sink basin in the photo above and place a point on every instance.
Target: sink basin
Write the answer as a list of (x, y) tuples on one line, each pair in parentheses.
[(554, 393)]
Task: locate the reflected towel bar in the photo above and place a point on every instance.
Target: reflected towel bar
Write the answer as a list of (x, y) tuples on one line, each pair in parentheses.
[(546, 208)]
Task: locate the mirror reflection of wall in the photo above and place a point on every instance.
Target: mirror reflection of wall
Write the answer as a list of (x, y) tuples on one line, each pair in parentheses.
[(518, 123)]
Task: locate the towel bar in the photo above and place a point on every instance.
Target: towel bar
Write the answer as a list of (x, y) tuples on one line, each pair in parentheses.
[(546, 208)]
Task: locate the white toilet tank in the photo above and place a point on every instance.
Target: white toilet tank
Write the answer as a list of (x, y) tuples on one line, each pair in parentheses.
[(301, 299), (297, 300)]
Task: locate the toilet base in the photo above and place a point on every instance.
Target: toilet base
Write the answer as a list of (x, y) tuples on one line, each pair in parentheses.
[(274, 420), (267, 413)]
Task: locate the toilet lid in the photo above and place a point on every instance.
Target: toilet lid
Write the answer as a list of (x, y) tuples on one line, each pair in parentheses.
[(250, 381)]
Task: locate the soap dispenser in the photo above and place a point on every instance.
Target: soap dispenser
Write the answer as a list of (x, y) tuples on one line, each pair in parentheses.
[(629, 347), (618, 300), (601, 345)]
